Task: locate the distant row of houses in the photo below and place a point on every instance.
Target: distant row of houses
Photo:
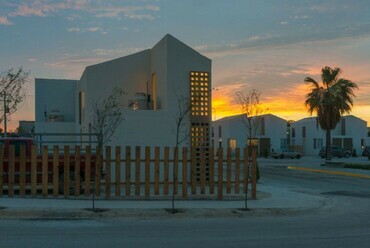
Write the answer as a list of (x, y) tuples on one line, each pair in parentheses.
[(305, 136), (154, 80)]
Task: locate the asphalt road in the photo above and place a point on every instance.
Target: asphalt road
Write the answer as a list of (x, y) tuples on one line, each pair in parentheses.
[(343, 221)]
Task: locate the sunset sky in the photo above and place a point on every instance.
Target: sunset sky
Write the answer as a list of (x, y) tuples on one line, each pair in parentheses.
[(267, 45)]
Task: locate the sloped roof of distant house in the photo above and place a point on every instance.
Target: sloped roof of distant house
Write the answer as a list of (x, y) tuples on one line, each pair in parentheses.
[(242, 115), (313, 119)]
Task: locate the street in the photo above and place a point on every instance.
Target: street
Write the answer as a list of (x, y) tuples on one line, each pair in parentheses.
[(342, 220)]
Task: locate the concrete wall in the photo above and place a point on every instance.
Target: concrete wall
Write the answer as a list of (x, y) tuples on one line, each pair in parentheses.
[(171, 61), (55, 94)]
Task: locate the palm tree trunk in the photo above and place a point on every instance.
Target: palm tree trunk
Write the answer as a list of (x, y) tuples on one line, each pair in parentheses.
[(328, 144)]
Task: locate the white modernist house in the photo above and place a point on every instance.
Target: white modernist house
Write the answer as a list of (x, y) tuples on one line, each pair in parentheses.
[(270, 132), (154, 82), (350, 133)]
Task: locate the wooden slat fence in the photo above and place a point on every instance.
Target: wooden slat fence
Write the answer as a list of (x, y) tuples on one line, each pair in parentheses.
[(141, 172)]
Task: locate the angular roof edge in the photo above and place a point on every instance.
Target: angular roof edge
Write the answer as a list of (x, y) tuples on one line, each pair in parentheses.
[(171, 37)]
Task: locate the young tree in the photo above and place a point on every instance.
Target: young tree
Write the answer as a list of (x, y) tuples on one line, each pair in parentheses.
[(106, 116), (183, 110), (12, 92), (251, 108), (330, 100), (181, 132)]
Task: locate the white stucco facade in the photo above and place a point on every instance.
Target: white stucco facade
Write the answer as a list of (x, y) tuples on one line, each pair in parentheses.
[(270, 132), (350, 133), (160, 74)]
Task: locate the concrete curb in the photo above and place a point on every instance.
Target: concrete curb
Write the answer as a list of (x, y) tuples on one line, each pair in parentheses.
[(341, 173)]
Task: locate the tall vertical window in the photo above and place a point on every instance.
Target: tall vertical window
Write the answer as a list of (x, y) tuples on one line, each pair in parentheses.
[(200, 115), (81, 106), (293, 132), (303, 132), (154, 90), (199, 93)]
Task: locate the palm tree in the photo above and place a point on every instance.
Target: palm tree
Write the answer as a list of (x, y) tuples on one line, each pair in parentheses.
[(330, 100)]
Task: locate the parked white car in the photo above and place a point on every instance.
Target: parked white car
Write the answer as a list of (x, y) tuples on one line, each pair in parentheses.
[(285, 153)]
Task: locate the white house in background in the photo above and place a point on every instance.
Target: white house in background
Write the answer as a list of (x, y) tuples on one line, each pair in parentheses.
[(271, 133), (153, 81), (350, 133)]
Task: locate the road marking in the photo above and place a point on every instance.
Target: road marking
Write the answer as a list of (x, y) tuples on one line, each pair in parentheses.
[(341, 173)]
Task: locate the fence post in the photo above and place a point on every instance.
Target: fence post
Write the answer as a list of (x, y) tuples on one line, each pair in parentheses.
[(137, 170), (246, 170), (22, 171), (87, 170), (193, 171), (77, 171), (44, 171), (254, 174), (237, 170), (184, 172), (128, 171), (55, 171), (1, 169), (212, 170), (156, 170), (11, 165), (66, 171), (118, 171), (107, 171), (166, 169), (202, 171), (147, 171), (175, 171), (98, 167), (220, 174), (228, 171), (33, 170)]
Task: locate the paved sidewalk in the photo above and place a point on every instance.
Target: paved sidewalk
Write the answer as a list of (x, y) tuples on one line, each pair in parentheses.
[(269, 198)]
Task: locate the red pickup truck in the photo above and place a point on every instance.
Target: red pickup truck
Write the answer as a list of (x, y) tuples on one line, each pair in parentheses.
[(12, 176)]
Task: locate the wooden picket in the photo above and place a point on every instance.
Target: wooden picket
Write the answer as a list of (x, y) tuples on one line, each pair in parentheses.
[(107, 171), (128, 171), (1, 169), (77, 171), (118, 171), (147, 172), (55, 171), (22, 171), (156, 170), (66, 171), (184, 172), (87, 170), (33, 171), (210, 169), (11, 171), (166, 169)]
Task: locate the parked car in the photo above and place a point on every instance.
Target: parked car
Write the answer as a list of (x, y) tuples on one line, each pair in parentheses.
[(366, 151), (335, 152), (285, 153)]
